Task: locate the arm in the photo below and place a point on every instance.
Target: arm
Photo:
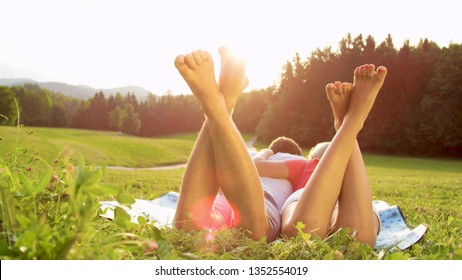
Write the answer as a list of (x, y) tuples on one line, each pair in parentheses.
[(270, 168), (263, 154)]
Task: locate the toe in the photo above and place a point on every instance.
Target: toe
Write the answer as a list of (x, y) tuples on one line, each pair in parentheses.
[(203, 55), (197, 57), (360, 71), (189, 59), (381, 72), (330, 89), (224, 51), (370, 70), (350, 87), (338, 87), (356, 72), (345, 87), (208, 56), (225, 54), (179, 61)]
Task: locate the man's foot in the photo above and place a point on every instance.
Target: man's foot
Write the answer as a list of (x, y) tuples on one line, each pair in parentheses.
[(197, 70), (339, 98), (232, 79), (366, 86)]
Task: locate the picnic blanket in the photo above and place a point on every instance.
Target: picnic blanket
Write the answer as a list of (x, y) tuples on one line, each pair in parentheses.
[(394, 231)]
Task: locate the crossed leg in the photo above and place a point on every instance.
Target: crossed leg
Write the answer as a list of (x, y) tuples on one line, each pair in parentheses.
[(354, 203), (220, 159), (342, 159)]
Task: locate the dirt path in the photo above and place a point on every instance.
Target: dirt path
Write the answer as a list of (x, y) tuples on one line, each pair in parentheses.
[(166, 167), (249, 145)]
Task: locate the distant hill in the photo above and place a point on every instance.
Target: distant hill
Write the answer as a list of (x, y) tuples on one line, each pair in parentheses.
[(79, 91)]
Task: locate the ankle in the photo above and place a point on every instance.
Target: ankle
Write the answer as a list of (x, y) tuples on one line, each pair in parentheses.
[(215, 110), (230, 106), (353, 123)]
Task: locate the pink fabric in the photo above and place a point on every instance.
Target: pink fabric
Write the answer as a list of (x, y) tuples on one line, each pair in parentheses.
[(300, 171), (222, 213)]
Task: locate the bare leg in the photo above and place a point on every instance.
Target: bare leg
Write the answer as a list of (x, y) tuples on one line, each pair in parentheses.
[(355, 207), (235, 171), (200, 185), (322, 191)]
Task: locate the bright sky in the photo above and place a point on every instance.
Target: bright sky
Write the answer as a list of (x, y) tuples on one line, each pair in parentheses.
[(107, 44)]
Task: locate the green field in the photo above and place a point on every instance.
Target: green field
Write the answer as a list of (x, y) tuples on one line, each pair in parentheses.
[(427, 190), (98, 147)]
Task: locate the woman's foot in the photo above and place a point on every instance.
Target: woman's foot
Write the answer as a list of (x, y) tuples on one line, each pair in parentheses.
[(232, 79), (366, 86), (197, 70), (339, 98)]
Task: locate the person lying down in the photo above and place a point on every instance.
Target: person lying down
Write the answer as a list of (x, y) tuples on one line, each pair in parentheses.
[(222, 185)]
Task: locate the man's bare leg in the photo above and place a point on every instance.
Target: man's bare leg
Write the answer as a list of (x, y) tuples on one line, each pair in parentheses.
[(322, 191), (355, 201), (236, 173)]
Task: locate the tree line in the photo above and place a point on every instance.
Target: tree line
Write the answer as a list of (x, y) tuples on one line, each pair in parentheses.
[(417, 112), (154, 116)]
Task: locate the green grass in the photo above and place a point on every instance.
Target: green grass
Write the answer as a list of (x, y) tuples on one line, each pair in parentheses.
[(427, 190), (99, 147), (145, 184)]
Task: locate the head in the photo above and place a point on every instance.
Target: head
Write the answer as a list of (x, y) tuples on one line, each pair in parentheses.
[(285, 145), (318, 150)]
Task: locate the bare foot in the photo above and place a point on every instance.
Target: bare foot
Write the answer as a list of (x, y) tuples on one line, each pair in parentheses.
[(339, 98), (197, 70), (366, 86), (232, 79)]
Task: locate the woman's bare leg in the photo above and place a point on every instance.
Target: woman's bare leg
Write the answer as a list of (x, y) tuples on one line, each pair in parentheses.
[(200, 186), (235, 171), (355, 201), (322, 191)]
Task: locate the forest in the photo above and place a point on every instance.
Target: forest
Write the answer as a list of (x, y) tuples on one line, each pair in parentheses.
[(418, 111)]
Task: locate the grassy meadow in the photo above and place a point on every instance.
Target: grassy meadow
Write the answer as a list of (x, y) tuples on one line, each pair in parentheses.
[(43, 190), (98, 147)]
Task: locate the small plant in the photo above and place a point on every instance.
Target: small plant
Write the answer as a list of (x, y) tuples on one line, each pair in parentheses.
[(51, 211), (44, 215)]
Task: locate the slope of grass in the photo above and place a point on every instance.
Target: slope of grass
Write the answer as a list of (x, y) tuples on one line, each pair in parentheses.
[(98, 147)]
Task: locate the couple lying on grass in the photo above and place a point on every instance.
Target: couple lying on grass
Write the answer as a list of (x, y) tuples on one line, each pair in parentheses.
[(224, 187)]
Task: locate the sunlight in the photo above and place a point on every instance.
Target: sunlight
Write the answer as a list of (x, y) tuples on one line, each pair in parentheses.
[(106, 44), (209, 236)]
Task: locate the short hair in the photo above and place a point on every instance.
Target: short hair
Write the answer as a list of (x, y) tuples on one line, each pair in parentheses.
[(285, 145), (318, 150)]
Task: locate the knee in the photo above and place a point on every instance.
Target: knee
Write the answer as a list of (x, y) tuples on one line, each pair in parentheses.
[(365, 232), (367, 237), (258, 230), (289, 230)]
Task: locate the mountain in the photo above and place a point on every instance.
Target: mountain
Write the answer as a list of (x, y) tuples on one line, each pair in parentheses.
[(16, 82), (79, 91)]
